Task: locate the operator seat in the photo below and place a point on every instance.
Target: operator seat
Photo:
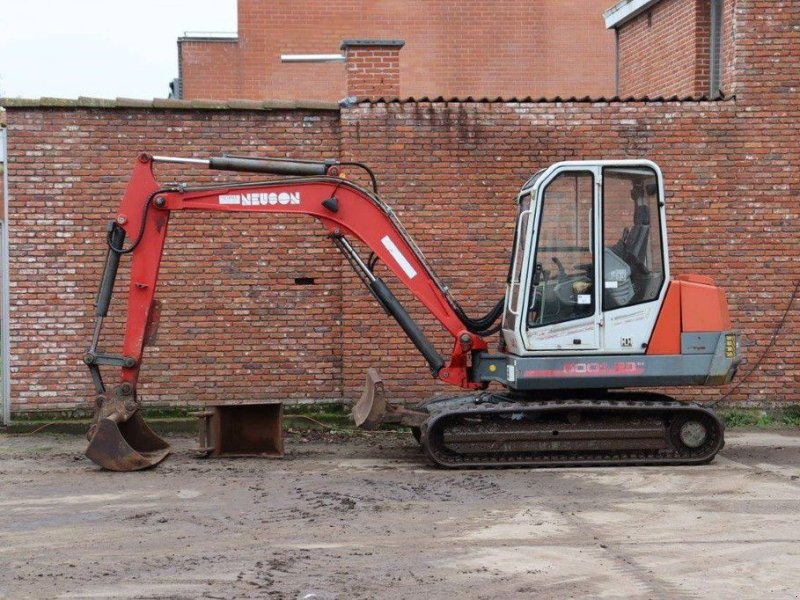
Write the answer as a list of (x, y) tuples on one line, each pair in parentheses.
[(632, 244), (646, 281), (638, 238), (632, 248)]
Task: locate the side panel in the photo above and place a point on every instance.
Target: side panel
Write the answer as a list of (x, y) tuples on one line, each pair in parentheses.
[(714, 365), (666, 338), (703, 308), (627, 330), (584, 372), (710, 358), (577, 335)]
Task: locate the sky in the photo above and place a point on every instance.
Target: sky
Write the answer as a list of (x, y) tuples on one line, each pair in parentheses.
[(99, 48)]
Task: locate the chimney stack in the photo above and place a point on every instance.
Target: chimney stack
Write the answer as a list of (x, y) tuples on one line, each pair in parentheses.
[(372, 68)]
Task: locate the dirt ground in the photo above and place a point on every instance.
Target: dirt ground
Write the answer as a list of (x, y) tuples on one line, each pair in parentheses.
[(365, 517)]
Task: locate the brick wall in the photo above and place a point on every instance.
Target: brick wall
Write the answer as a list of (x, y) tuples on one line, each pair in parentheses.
[(666, 50), (237, 326), (372, 68), (453, 48), (208, 68)]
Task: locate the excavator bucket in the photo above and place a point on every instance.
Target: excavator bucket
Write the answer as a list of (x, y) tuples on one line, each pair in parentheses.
[(370, 410), (126, 446), (373, 408)]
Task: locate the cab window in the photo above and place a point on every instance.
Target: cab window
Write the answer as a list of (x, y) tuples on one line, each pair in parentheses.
[(517, 260), (563, 268), (633, 266)]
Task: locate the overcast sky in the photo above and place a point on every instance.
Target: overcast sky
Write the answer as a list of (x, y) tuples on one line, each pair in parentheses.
[(100, 48)]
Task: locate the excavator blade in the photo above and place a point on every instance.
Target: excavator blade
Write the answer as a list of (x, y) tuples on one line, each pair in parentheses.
[(127, 446), (370, 410)]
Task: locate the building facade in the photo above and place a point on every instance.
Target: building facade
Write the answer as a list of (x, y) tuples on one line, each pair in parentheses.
[(674, 47), (265, 308), (453, 48)]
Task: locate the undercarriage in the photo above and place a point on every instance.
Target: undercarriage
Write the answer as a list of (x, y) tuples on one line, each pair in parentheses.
[(552, 429)]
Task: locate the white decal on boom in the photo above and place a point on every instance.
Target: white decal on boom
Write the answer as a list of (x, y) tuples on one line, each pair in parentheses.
[(398, 256), (261, 199)]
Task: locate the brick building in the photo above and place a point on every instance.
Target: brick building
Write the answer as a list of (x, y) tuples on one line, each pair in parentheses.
[(239, 321), (452, 48), (675, 47)]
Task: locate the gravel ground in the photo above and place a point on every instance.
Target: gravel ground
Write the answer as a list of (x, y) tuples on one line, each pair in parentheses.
[(363, 516)]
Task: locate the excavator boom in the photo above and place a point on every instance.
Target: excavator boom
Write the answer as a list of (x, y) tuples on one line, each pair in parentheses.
[(347, 210)]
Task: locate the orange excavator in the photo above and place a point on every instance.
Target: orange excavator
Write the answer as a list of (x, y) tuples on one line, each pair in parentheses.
[(590, 309)]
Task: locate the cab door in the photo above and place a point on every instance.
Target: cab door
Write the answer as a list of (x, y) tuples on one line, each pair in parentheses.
[(563, 306), (635, 266)]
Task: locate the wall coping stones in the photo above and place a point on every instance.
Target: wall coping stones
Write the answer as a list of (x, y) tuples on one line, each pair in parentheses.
[(165, 103)]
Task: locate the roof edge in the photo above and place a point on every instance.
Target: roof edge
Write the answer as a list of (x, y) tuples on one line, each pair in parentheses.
[(204, 39), (371, 42), (371, 100), (164, 103), (626, 10)]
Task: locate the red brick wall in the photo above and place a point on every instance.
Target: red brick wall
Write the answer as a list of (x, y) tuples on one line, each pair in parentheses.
[(665, 51), (236, 326), (453, 48), (208, 68), (372, 70), (452, 171)]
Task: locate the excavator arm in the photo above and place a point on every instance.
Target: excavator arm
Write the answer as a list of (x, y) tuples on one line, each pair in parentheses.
[(347, 211)]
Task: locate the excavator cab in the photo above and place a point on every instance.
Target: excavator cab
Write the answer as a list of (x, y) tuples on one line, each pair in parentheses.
[(590, 244), (590, 303)]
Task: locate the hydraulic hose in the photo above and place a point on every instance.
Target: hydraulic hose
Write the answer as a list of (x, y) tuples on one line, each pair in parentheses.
[(482, 325)]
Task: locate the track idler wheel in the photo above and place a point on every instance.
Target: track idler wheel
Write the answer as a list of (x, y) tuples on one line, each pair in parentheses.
[(119, 438), (694, 434)]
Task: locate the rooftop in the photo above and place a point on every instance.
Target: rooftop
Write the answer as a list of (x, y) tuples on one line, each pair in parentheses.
[(625, 10)]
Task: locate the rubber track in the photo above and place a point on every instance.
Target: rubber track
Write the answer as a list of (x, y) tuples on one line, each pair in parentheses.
[(616, 406)]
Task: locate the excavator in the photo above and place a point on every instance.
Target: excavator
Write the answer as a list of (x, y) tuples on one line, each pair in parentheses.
[(591, 318)]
